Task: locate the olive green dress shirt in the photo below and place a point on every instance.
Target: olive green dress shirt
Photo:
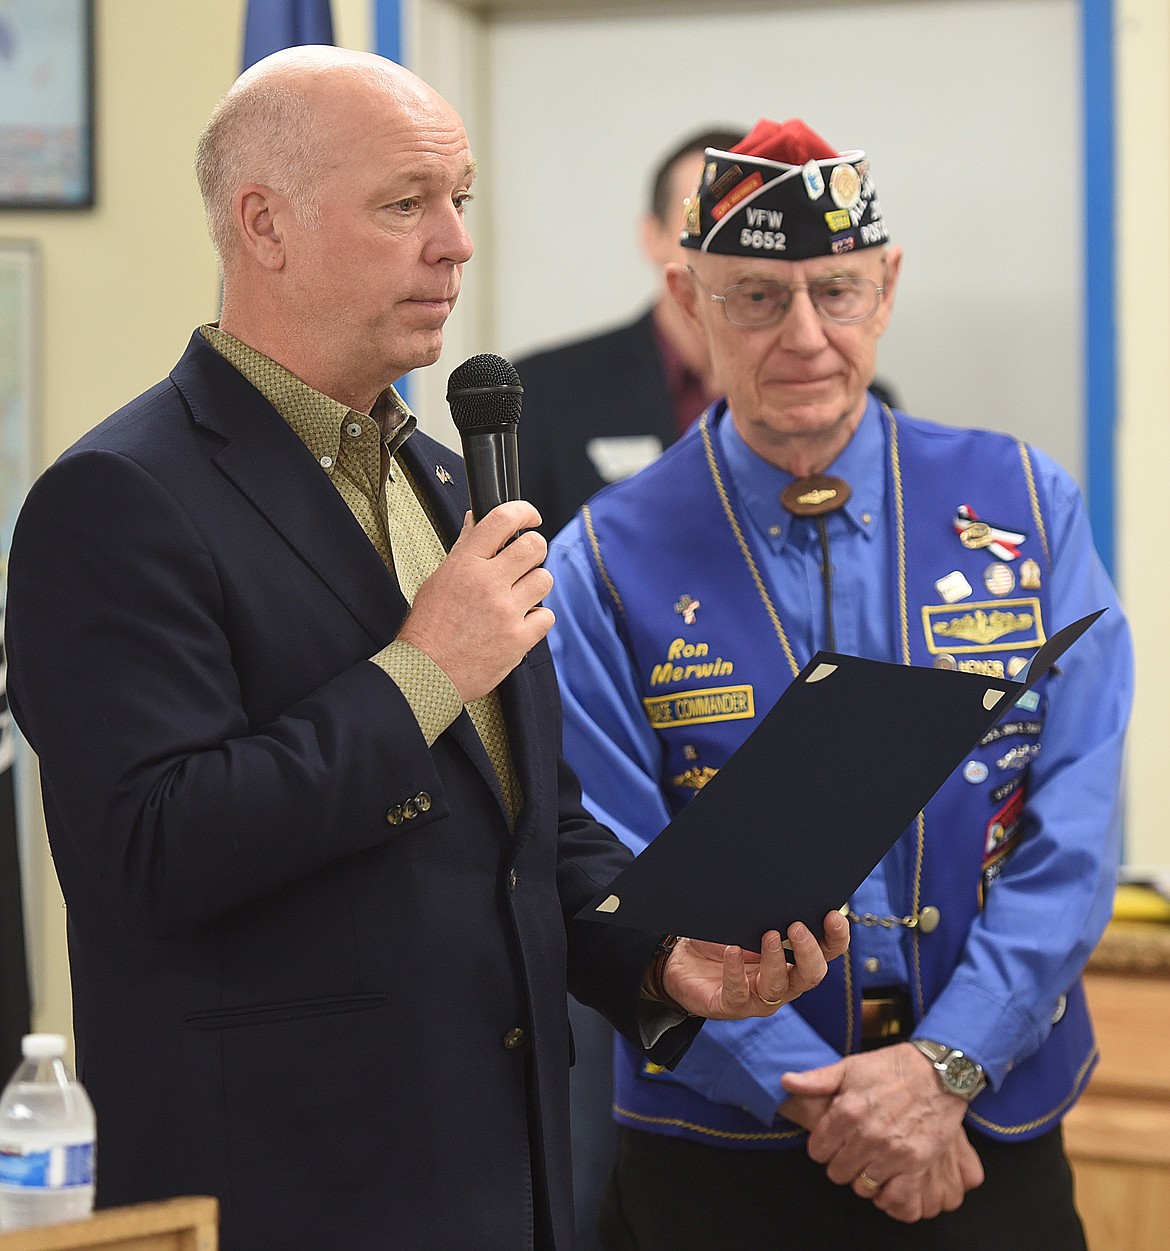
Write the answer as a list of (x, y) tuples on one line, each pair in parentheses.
[(358, 453)]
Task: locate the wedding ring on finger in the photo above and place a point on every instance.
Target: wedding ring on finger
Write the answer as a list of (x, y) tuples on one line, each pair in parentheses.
[(868, 1182), (772, 1003)]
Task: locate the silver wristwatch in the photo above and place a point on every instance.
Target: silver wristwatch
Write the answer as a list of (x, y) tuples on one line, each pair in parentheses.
[(957, 1073)]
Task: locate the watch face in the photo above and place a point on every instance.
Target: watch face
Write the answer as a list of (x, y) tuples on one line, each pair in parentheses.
[(961, 1075)]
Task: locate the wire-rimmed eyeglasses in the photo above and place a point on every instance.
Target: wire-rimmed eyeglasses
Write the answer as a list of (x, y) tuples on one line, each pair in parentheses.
[(763, 302)]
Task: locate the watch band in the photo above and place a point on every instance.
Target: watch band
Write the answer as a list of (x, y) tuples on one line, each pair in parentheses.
[(933, 1051), (958, 1074), (653, 984)]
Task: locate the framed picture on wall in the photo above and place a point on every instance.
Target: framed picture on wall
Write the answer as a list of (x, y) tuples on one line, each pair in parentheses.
[(46, 104)]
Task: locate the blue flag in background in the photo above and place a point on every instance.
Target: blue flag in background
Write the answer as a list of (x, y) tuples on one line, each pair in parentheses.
[(274, 24)]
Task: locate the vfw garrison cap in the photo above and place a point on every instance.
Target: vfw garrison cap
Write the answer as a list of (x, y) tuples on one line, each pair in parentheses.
[(783, 192)]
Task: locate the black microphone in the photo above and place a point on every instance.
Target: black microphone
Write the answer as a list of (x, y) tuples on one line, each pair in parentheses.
[(485, 395)]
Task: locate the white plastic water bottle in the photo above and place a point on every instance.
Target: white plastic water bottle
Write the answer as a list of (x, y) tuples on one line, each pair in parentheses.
[(46, 1139)]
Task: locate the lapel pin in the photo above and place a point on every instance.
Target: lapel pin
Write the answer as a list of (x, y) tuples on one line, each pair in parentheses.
[(686, 608), (953, 587), (999, 579), (974, 534)]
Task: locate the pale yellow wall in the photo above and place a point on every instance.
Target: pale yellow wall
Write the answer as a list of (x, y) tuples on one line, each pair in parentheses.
[(1143, 462), (135, 265), (136, 269)]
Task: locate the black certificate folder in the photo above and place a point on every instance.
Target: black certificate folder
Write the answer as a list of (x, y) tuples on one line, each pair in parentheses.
[(798, 817)]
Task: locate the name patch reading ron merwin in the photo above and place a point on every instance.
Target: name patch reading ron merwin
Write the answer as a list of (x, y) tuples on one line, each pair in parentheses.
[(723, 703), (699, 662)]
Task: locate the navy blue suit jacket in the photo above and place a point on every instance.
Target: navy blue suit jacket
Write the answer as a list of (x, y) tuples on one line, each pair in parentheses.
[(280, 998), (610, 385)]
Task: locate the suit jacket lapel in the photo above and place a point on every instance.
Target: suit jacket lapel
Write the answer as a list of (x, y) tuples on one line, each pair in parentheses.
[(441, 477), (266, 460)]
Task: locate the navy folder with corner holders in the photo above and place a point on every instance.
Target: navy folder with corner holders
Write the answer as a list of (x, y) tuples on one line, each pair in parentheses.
[(821, 789)]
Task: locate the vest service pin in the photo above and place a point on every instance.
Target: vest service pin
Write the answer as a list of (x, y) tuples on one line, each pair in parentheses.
[(686, 608)]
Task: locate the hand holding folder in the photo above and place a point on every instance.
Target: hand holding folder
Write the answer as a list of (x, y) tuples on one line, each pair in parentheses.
[(799, 816)]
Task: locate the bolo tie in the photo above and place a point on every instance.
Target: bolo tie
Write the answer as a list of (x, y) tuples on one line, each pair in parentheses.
[(816, 497)]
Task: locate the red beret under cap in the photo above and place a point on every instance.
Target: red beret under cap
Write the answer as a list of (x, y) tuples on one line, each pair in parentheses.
[(783, 193), (792, 142)]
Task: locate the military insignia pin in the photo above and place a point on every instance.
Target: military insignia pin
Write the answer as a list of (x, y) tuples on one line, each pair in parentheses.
[(695, 778), (999, 579), (975, 533), (686, 608), (1030, 575), (953, 587), (815, 495), (814, 182), (844, 186), (691, 209)]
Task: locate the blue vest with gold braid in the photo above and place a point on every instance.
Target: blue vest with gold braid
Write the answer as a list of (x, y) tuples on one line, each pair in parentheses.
[(705, 682)]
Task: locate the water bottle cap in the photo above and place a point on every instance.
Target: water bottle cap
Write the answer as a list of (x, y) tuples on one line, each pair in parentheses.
[(42, 1046)]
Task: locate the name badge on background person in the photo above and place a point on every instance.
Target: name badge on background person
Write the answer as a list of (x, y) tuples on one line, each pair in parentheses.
[(617, 456)]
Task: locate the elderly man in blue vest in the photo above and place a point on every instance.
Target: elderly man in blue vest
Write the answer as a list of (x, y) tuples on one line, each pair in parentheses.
[(914, 1099)]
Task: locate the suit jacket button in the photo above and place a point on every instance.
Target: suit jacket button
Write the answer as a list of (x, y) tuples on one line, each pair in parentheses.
[(394, 816), (423, 800), (410, 810), (514, 1038), (513, 880)]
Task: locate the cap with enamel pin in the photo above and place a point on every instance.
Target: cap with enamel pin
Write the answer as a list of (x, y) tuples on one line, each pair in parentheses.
[(784, 192)]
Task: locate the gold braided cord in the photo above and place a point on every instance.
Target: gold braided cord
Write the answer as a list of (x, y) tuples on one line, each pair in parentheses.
[(769, 1136), (904, 627), (1060, 1108), (587, 517), (900, 514), (1034, 500), (871, 920), (915, 938), (733, 521)]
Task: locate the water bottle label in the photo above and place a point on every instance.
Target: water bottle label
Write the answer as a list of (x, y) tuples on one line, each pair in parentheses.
[(70, 1165)]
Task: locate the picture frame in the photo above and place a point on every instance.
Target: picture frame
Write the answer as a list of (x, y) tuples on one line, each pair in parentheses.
[(46, 104)]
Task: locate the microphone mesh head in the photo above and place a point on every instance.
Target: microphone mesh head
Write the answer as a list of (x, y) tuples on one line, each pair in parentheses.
[(484, 391)]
